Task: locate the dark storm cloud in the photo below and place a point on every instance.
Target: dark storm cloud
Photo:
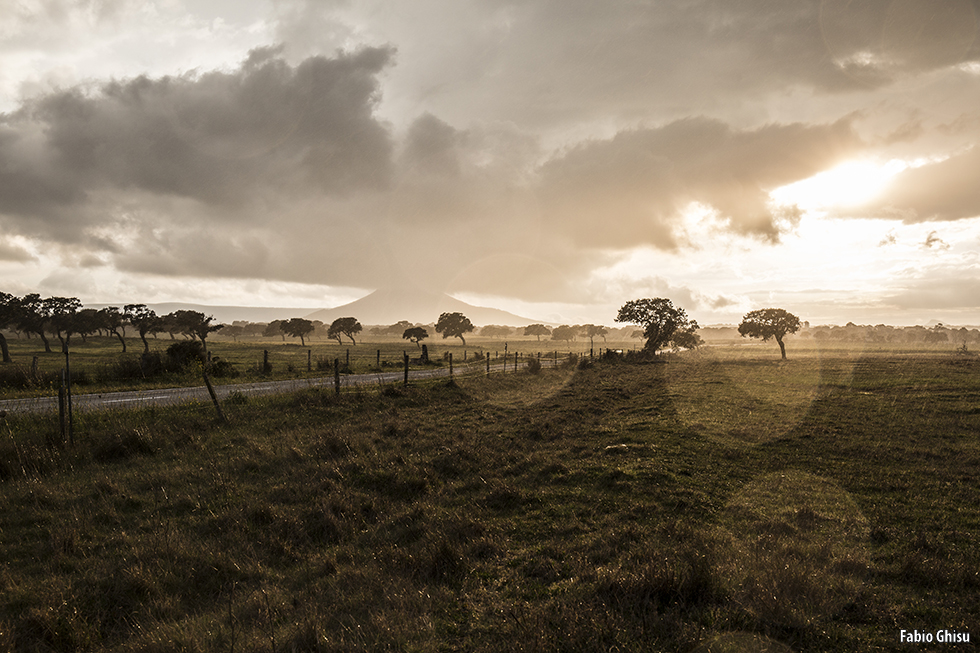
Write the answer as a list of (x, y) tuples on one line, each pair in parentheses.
[(220, 139), (948, 190), (631, 189)]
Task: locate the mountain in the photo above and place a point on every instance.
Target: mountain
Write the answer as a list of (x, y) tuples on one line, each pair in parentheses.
[(389, 305)]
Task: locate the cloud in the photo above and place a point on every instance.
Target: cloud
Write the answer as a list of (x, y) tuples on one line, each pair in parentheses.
[(223, 140), (632, 189), (932, 240), (947, 190), (15, 253)]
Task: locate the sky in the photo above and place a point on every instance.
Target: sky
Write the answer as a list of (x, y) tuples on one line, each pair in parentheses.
[(553, 158)]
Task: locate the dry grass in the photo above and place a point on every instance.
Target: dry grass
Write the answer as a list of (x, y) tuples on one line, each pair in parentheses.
[(613, 506)]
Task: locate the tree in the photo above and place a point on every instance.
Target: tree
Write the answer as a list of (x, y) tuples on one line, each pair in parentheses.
[(537, 330), (274, 328), (193, 323), (9, 310), (297, 327), (564, 332), (114, 322), (346, 326), (659, 318), (33, 316), (769, 323), (233, 331), (86, 322), (495, 331), (61, 313), (416, 335), (592, 330), (144, 320), (454, 325), (398, 327)]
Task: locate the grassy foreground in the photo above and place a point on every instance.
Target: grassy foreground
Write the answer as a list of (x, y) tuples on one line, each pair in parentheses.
[(719, 502)]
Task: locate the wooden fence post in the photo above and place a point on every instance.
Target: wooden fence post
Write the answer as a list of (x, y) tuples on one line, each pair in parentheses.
[(405, 355), (488, 363), (450, 365), (336, 376)]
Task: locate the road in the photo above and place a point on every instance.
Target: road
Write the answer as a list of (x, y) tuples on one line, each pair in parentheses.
[(170, 396)]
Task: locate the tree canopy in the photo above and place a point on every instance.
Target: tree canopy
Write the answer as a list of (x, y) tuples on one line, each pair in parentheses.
[(347, 326), (769, 323), (564, 332), (660, 320), (537, 330), (297, 327), (416, 335), (454, 325)]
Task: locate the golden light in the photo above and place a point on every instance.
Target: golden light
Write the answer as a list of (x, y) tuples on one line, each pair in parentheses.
[(849, 184)]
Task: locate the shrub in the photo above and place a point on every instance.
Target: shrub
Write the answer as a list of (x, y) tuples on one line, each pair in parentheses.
[(534, 366), (183, 353)]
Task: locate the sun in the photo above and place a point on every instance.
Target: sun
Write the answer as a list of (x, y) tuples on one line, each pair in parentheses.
[(849, 184)]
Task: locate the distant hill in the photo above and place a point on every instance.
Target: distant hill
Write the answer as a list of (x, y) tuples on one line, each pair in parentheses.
[(389, 305)]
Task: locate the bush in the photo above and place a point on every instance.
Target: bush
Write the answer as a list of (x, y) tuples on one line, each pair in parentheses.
[(183, 353), (534, 366)]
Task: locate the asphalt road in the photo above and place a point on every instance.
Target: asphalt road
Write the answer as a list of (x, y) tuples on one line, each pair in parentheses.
[(170, 396)]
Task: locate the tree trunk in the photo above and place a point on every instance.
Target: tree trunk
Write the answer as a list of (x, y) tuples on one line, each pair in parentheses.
[(44, 339), (122, 340), (4, 350), (782, 347)]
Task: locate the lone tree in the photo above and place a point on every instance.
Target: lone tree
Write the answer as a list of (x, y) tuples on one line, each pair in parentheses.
[(454, 325), (416, 335), (346, 326), (769, 323), (297, 327), (537, 330), (660, 319)]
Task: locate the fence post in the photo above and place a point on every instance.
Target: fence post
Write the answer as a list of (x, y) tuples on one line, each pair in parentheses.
[(379, 359), (71, 429), (63, 427), (450, 365), (347, 363), (488, 363), (265, 362), (336, 376), (405, 356), (309, 360)]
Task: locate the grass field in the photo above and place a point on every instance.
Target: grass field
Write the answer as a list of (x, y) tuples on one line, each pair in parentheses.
[(721, 501), (99, 365)]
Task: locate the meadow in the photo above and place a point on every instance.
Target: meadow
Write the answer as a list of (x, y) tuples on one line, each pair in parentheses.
[(716, 500), (99, 365)]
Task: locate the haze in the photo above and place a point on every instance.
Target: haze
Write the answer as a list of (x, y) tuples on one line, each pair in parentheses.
[(550, 158)]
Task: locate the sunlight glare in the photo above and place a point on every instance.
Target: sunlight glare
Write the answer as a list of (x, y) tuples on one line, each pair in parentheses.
[(848, 184)]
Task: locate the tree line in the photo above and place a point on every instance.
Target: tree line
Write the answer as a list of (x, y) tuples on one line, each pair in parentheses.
[(663, 324)]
